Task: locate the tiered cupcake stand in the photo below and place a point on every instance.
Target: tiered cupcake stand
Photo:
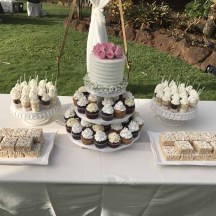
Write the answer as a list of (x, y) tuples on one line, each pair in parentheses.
[(100, 121)]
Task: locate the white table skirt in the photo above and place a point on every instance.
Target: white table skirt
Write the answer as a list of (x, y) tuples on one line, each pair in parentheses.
[(124, 183)]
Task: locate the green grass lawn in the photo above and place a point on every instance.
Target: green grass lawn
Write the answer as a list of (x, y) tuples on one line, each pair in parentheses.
[(31, 45)]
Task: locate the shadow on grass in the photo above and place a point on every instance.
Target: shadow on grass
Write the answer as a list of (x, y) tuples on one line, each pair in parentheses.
[(25, 20)]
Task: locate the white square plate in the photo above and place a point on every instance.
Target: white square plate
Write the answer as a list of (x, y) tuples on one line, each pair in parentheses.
[(49, 137), (159, 159)]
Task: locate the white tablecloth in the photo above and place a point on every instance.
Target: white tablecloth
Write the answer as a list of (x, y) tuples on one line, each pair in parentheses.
[(128, 182)]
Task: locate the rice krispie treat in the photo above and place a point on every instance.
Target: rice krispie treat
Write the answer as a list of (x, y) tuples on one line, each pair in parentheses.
[(37, 134), (170, 153), (1, 138), (202, 147), (184, 147), (207, 136), (181, 136), (195, 136), (6, 131), (167, 138), (8, 143), (24, 144), (213, 144), (187, 157), (19, 132), (35, 151), (202, 157)]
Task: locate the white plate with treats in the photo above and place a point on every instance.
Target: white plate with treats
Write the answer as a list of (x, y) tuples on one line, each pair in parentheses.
[(43, 158), (160, 160), (107, 149), (175, 116)]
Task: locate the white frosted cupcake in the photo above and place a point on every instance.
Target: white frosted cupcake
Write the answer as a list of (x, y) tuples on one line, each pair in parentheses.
[(53, 96), (130, 105), (82, 104), (134, 128), (70, 123), (41, 92), (15, 95), (126, 136), (166, 101), (116, 128), (127, 95), (35, 104), (175, 103), (100, 139), (92, 98), (158, 88), (97, 127), (184, 103), (25, 101), (139, 121), (86, 124), (158, 98), (114, 140), (107, 101), (107, 113), (77, 96), (119, 110), (92, 111), (46, 101), (76, 131), (87, 136)]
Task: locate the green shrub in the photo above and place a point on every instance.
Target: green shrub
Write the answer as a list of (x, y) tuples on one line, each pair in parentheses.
[(198, 8)]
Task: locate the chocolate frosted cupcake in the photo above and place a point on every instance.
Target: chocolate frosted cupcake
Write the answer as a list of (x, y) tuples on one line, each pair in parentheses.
[(92, 111), (70, 123), (126, 136), (46, 101), (92, 98), (130, 105), (134, 128), (100, 139), (77, 96), (76, 131), (116, 128), (97, 127), (119, 110), (85, 124), (87, 136), (82, 104), (107, 113), (114, 140)]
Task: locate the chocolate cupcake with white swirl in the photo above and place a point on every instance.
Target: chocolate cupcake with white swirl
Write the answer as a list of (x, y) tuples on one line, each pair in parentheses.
[(25, 101), (92, 98), (134, 128), (97, 127), (119, 110), (127, 95), (114, 140), (130, 105), (69, 124), (46, 101), (92, 111), (77, 96), (107, 113), (139, 121), (82, 104), (16, 95), (76, 131), (126, 136), (116, 128), (175, 103), (69, 114), (85, 124), (87, 136), (184, 103), (107, 101), (100, 139)]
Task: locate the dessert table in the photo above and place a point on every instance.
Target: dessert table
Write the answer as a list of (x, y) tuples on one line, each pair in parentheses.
[(79, 181)]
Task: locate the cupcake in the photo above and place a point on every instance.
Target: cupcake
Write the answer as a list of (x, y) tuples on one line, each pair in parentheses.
[(87, 136), (130, 105), (127, 95), (134, 128), (107, 113), (25, 101), (35, 104), (184, 103), (116, 128), (113, 140), (42, 84), (175, 103), (100, 139), (166, 101), (85, 124), (53, 96), (107, 101), (92, 111), (158, 98), (46, 101), (126, 123), (33, 83), (119, 110), (139, 121), (48, 85), (157, 89), (97, 127), (26, 90), (41, 92), (33, 93), (15, 95), (70, 123), (69, 114), (77, 95), (92, 98), (82, 104), (83, 90), (126, 136), (76, 131)]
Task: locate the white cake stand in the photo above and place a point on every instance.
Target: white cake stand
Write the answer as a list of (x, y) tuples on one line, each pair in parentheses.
[(36, 118), (170, 118)]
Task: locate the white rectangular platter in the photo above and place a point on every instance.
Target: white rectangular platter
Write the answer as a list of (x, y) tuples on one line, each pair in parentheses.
[(49, 137), (159, 159)]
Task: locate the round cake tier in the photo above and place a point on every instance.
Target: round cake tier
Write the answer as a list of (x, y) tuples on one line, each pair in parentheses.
[(36, 118), (106, 72), (106, 149), (99, 120), (105, 91)]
